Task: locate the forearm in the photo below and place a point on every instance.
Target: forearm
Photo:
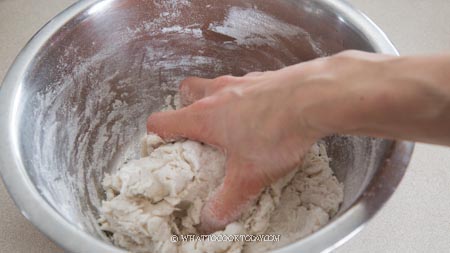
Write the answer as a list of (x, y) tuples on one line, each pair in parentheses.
[(403, 98)]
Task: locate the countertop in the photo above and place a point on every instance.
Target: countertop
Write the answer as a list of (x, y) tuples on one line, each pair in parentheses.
[(415, 219)]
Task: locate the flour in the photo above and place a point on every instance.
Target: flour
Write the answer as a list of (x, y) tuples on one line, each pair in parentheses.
[(254, 27), (150, 199)]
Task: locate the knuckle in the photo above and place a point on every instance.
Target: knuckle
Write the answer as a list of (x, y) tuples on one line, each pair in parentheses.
[(352, 55), (344, 56), (222, 81), (319, 64), (346, 60), (185, 83), (348, 53)]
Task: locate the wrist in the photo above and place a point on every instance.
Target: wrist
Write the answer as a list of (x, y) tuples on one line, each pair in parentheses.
[(346, 93), (383, 97)]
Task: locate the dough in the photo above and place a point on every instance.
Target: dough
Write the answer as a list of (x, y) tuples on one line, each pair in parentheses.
[(160, 195)]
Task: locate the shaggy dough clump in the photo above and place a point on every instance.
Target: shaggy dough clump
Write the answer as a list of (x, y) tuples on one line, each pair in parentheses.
[(160, 195)]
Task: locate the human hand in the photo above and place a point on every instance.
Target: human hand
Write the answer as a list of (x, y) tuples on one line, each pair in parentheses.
[(254, 120), (266, 122)]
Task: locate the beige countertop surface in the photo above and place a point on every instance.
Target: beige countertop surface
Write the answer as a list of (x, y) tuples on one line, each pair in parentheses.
[(415, 219)]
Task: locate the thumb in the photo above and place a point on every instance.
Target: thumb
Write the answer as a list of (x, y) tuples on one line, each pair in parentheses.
[(226, 205)]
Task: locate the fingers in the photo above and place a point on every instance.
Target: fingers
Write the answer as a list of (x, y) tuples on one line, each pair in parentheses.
[(233, 196), (189, 122), (194, 88)]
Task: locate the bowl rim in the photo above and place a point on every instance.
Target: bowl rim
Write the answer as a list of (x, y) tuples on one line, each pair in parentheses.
[(67, 235)]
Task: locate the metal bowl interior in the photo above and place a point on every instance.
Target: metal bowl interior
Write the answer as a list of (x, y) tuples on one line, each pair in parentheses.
[(77, 97)]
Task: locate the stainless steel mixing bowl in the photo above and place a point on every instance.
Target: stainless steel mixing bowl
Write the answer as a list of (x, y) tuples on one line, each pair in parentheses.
[(74, 103)]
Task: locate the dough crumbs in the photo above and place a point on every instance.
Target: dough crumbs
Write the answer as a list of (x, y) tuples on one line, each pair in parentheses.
[(160, 195)]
